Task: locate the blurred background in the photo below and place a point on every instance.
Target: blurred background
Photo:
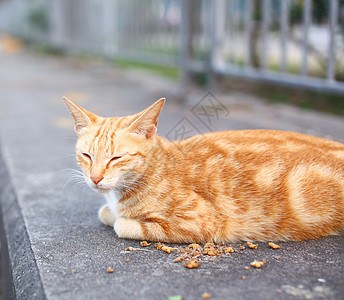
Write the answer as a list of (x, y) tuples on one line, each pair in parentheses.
[(284, 50)]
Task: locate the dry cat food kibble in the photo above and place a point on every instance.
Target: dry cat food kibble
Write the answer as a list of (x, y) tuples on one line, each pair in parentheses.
[(130, 249), (210, 249), (136, 249), (208, 253), (273, 246), (167, 249), (206, 296), (195, 247), (258, 264), (158, 246), (144, 244), (109, 270), (228, 250), (194, 254), (163, 247), (192, 264), (252, 246), (179, 258)]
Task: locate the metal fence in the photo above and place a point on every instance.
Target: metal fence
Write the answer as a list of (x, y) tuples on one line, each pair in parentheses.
[(136, 30), (295, 42), (276, 48)]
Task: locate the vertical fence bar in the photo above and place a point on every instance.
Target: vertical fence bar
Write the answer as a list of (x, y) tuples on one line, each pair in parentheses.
[(145, 40), (307, 10), (163, 27), (69, 20), (233, 31), (265, 33), (284, 23), (217, 34), (248, 32), (230, 30), (208, 23), (115, 31), (137, 23), (108, 14), (202, 30), (128, 35), (185, 54), (212, 49), (157, 28), (333, 14), (236, 28), (56, 28)]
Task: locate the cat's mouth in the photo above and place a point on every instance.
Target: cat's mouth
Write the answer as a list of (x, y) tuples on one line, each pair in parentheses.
[(100, 187), (101, 190), (104, 188)]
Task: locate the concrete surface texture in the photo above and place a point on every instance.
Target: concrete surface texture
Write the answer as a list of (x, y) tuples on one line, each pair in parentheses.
[(58, 249)]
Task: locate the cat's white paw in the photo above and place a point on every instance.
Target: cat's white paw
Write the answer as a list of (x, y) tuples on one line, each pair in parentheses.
[(129, 228), (106, 216)]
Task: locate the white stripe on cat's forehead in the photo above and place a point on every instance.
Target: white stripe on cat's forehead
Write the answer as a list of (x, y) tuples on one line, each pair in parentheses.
[(116, 149)]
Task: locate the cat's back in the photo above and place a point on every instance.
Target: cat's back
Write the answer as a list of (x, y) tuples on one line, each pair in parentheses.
[(289, 183), (271, 137), (269, 153), (282, 144)]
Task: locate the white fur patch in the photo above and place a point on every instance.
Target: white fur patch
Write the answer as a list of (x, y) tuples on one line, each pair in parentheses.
[(112, 199), (128, 228)]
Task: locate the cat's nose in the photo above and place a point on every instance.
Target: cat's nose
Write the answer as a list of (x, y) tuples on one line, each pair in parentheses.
[(97, 179)]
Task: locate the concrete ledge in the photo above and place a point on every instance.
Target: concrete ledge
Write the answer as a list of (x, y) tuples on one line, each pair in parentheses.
[(20, 275), (53, 245)]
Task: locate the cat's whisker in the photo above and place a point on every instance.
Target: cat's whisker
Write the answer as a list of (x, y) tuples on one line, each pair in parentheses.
[(74, 177), (69, 171), (77, 186), (70, 138), (73, 183), (67, 156)]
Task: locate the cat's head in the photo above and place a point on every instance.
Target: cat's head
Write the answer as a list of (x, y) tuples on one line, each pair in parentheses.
[(112, 151)]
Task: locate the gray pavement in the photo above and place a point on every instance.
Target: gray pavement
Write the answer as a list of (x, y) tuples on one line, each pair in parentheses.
[(57, 247)]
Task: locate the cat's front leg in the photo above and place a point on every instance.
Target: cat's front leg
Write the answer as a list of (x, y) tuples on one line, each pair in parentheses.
[(106, 216), (129, 228), (108, 213), (135, 229)]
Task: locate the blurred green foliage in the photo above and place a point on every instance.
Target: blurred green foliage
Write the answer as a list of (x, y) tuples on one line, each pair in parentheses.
[(320, 11), (276, 93), (38, 19), (169, 72)]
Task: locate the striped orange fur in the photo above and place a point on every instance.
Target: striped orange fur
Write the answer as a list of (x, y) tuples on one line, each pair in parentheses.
[(222, 186)]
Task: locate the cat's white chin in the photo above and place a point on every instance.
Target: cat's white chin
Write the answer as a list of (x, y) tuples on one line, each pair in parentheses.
[(99, 189)]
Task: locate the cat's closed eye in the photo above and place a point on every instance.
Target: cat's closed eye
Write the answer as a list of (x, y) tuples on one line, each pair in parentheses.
[(115, 158), (86, 155)]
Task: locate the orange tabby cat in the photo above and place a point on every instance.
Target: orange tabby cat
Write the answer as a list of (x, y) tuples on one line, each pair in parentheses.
[(223, 186)]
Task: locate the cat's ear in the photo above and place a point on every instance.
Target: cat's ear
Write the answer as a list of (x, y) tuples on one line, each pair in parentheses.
[(147, 122), (81, 116)]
